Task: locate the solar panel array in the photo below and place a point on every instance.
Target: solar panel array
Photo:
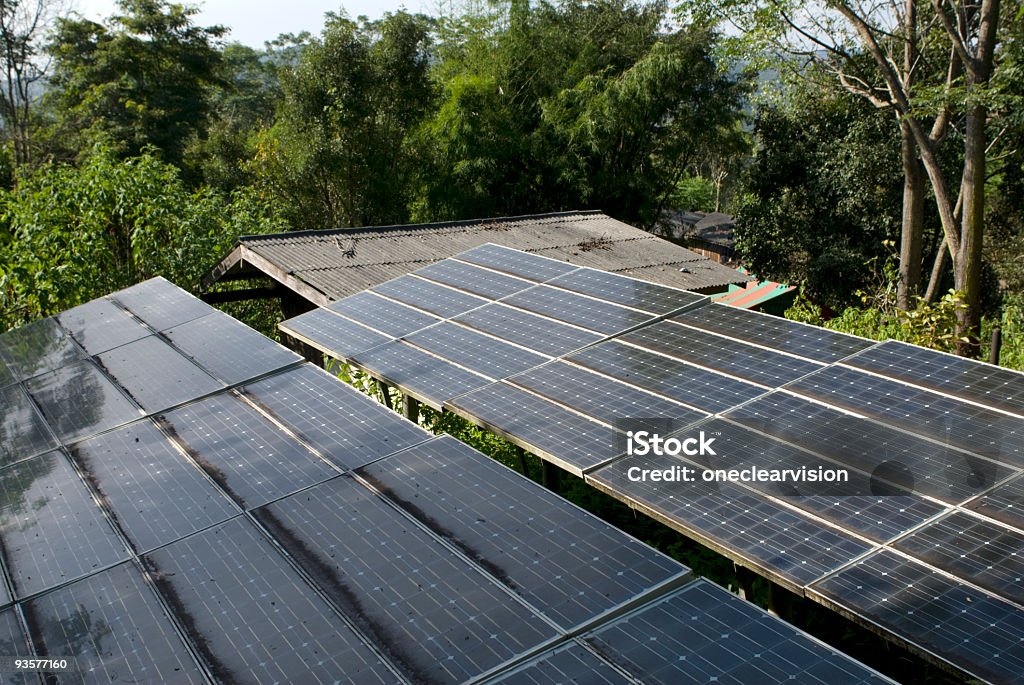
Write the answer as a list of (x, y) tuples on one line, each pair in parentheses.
[(186, 501), (934, 443)]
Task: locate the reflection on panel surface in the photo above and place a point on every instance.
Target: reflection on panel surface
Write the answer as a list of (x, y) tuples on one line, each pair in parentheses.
[(78, 400)]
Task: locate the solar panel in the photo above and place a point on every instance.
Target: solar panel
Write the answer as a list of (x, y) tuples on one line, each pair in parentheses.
[(567, 439), (12, 642), (383, 315), (253, 617), (599, 397), (1004, 503), (538, 333), (115, 629), (702, 634), (568, 564), (338, 336), (52, 529), (978, 633), (524, 265), (228, 349), (438, 617), (595, 315), (155, 374), (154, 493), (935, 470), (78, 400), (244, 453), (23, 433), (6, 375), (775, 332), (430, 379), (570, 663), (36, 348), (344, 425), (472, 279), (694, 385), (984, 553), (966, 378), (732, 357), (649, 297), (783, 544), (101, 325), (475, 351), (880, 518), (969, 427), (428, 296), (161, 304)]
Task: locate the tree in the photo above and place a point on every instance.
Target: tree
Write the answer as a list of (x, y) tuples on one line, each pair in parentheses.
[(900, 38), (556, 106), (140, 80), (76, 233), (22, 24), (337, 154)]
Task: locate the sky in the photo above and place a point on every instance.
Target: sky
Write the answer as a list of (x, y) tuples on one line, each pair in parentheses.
[(254, 22)]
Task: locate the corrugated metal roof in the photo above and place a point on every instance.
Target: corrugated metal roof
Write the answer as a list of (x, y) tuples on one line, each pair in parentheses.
[(341, 262)]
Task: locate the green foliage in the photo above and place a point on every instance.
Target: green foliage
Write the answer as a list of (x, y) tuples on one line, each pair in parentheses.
[(694, 193), (337, 155), (76, 233), (822, 195), (140, 80)]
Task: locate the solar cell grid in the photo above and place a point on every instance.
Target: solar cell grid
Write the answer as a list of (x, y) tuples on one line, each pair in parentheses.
[(935, 470), (114, 627), (434, 614), (702, 634), (774, 332), (36, 348), (23, 433), (979, 551), (521, 264), (732, 357), (969, 427), (740, 523), (155, 495), (101, 325), (878, 518), (570, 663), (228, 349), (599, 397), (973, 380), (77, 400), (602, 317), (381, 314), (245, 454), (693, 385), (472, 279), (155, 374), (568, 564), (338, 336), (52, 529), (431, 379), (428, 296), (568, 439), (1004, 503), (253, 618), (649, 297), (344, 425), (475, 351), (539, 333), (161, 304), (12, 641), (978, 633)]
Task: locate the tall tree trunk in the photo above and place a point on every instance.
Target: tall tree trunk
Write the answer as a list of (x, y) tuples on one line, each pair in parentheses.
[(912, 231), (967, 265)]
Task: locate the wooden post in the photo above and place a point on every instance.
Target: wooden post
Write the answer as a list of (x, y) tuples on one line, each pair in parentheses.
[(411, 408), (745, 579), (521, 454), (997, 343), (549, 475), (385, 390)]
